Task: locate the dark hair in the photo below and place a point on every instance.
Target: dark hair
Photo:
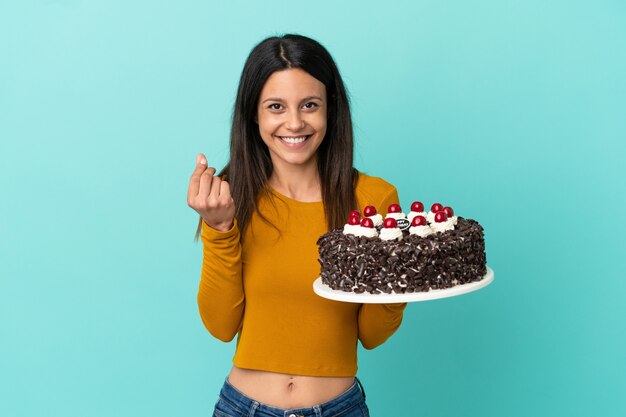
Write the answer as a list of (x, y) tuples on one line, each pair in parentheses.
[(250, 165)]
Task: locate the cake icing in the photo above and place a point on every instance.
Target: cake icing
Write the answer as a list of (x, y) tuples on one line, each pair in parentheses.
[(417, 209), (367, 232), (391, 234), (421, 231), (413, 214), (377, 219), (390, 230), (351, 229)]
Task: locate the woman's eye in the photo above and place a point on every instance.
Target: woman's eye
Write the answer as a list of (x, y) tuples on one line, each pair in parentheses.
[(277, 106)]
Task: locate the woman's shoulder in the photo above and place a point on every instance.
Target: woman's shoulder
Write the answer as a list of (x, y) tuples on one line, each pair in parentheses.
[(370, 182), (373, 190)]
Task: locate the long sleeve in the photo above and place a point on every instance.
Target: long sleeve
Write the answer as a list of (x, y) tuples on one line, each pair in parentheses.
[(377, 322), (220, 295)]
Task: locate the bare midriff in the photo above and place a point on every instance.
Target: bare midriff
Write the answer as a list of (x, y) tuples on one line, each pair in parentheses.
[(288, 391)]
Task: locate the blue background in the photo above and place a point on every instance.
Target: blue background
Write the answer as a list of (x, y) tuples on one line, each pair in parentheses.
[(512, 112)]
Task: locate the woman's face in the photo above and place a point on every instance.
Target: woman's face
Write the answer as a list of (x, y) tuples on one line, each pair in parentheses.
[(291, 114)]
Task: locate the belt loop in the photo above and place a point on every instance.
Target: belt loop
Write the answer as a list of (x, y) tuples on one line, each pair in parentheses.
[(255, 405), (318, 410), (361, 386)]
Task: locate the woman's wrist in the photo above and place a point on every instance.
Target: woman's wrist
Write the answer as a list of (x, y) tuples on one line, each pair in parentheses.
[(220, 227)]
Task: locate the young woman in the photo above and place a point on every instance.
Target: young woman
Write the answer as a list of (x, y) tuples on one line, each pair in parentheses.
[(289, 180)]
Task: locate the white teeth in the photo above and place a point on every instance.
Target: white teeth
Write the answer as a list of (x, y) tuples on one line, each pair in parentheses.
[(294, 140)]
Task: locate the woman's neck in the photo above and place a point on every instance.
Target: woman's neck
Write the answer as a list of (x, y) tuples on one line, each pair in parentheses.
[(300, 183)]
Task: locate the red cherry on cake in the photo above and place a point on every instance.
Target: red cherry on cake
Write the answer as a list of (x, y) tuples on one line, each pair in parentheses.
[(436, 207), (394, 208), (367, 223), (418, 221), (353, 221), (355, 213), (417, 206), (369, 211), (449, 212), (441, 217), (390, 223)]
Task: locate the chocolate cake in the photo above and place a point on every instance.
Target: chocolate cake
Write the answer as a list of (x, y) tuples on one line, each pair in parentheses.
[(437, 251)]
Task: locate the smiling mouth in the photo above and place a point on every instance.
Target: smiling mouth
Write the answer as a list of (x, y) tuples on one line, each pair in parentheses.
[(294, 139)]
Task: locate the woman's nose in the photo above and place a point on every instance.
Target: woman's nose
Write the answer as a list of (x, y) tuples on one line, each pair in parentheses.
[(295, 121)]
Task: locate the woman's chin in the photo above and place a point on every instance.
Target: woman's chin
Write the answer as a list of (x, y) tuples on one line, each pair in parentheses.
[(294, 160)]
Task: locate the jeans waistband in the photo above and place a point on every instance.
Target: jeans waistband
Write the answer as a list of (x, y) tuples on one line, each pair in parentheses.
[(250, 407)]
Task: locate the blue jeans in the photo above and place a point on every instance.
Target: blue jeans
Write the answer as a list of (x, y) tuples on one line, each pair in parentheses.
[(233, 403)]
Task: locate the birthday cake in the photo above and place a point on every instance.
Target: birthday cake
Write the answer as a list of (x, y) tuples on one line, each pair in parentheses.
[(402, 253)]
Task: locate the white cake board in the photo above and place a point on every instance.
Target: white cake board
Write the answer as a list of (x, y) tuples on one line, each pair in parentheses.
[(325, 291)]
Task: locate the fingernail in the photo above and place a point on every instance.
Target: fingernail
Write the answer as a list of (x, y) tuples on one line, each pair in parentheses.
[(203, 161)]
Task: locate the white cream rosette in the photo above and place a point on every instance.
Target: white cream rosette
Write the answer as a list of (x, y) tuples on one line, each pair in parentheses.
[(377, 219), (414, 214), (367, 231), (395, 216), (391, 233), (421, 231), (442, 226)]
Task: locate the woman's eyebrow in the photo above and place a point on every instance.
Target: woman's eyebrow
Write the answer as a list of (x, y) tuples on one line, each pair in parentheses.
[(281, 100)]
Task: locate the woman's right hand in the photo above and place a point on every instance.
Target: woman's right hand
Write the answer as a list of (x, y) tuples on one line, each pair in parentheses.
[(210, 196)]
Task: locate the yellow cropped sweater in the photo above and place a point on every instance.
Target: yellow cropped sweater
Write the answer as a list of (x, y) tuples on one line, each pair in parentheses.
[(261, 289)]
